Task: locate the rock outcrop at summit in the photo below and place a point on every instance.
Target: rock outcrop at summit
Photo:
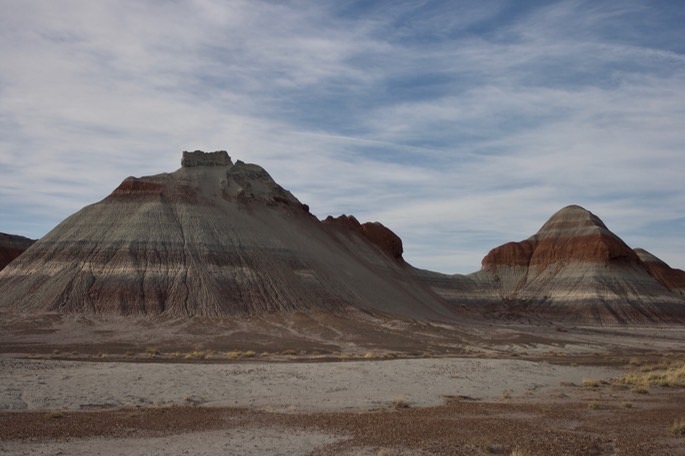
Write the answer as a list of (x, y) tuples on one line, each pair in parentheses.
[(211, 239), (575, 269), (375, 232), (11, 246)]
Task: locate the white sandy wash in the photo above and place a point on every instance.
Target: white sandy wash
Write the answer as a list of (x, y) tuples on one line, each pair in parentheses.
[(294, 387)]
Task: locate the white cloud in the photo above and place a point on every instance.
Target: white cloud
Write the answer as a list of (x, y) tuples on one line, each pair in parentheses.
[(459, 127)]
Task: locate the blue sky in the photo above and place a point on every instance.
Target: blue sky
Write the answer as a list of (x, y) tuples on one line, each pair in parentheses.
[(460, 125)]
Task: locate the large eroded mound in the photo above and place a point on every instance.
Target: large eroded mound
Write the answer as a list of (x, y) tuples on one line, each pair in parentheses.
[(213, 239)]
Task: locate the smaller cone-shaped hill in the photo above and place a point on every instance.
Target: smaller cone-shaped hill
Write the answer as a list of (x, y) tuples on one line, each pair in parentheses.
[(575, 269)]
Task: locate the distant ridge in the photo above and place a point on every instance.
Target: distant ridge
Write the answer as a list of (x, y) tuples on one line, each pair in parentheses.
[(11, 246)]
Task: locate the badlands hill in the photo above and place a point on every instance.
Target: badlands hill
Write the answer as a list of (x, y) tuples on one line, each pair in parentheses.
[(575, 269), (218, 239), (11, 246), (212, 239)]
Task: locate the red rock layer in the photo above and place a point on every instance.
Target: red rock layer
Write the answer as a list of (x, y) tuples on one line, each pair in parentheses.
[(375, 232)]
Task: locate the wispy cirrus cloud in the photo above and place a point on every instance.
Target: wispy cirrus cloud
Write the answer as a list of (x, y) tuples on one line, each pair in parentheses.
[(460, 125)]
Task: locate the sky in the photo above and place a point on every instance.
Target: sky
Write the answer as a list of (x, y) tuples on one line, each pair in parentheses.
[(460, 125)]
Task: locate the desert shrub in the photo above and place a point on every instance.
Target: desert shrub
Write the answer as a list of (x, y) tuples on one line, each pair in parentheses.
[(678, 427), (400, 403), (591, 383)]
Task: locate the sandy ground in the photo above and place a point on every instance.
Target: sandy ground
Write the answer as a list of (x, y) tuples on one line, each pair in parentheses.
[(397, 407), (88, 387), (289, 387)]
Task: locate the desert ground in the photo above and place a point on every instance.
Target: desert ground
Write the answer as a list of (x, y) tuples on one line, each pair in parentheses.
[(300, 384)]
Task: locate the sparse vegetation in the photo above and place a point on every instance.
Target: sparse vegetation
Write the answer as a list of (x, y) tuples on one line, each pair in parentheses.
[(384, 452), (591, 383), (659, 375), (152, 352), (594, 405), (55, 414), (678, 427), (289, 352)]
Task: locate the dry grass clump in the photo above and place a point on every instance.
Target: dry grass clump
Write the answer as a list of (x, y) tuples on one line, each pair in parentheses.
[(55, 414), (289, 352), (678, 427), (196, 354), (520, 452), (384, 452), (400, 403), (591, 383), (152, 352), (660, 375)]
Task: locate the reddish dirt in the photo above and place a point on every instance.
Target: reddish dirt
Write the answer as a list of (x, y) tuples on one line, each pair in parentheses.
[(603, 427)]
